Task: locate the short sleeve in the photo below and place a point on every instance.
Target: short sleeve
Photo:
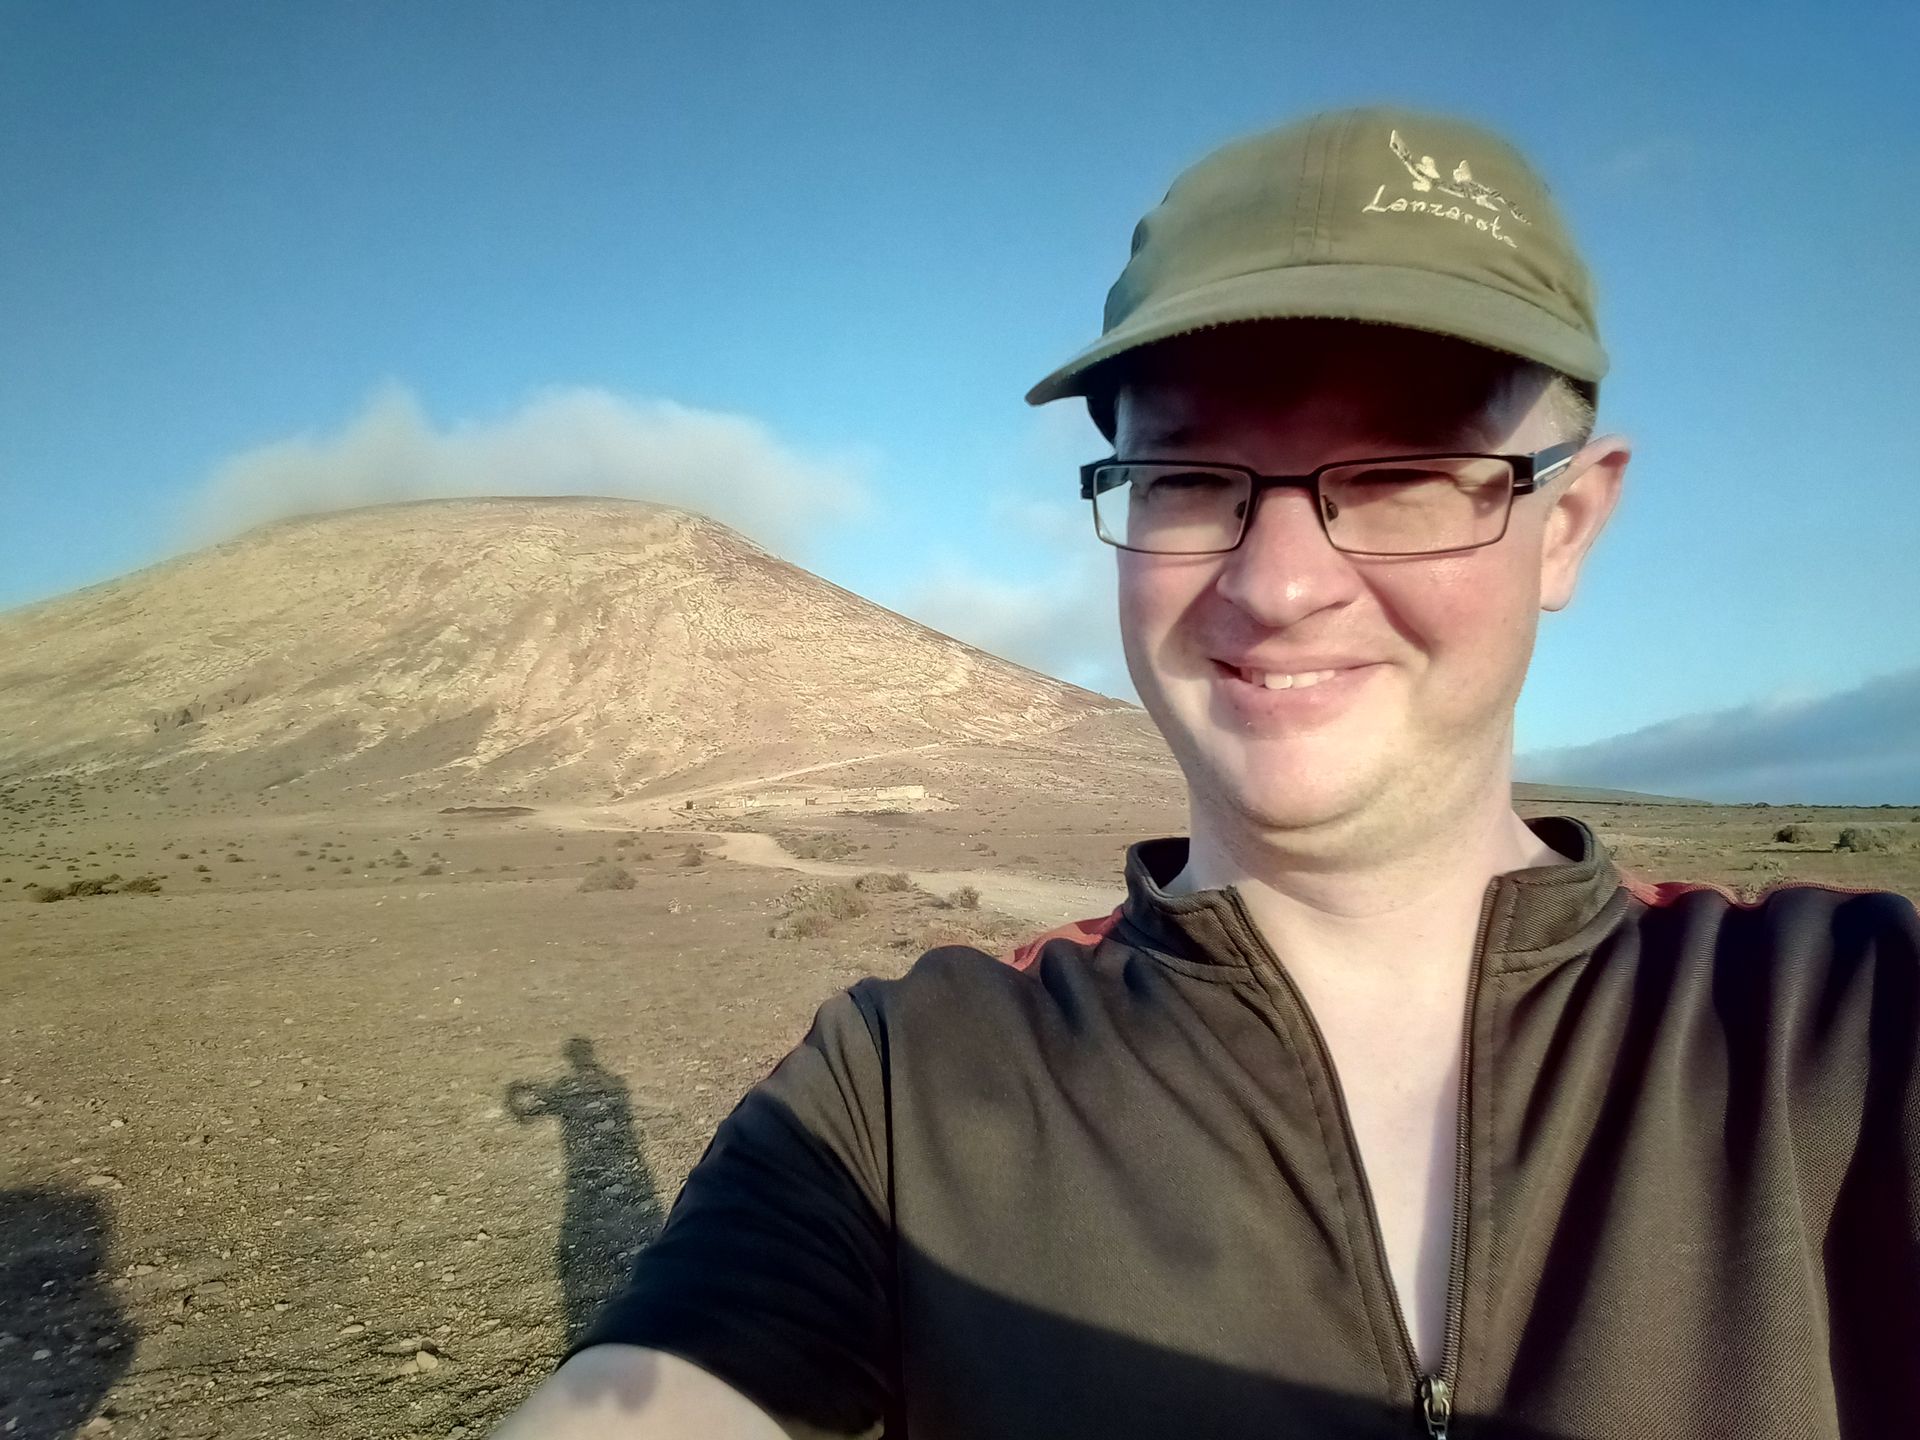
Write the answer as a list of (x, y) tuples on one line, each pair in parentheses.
[(774, 1270)]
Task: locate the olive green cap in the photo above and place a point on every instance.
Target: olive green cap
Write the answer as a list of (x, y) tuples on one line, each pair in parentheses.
[(1379, 214)]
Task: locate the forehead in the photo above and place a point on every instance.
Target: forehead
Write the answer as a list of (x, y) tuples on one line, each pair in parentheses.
[(1339, 379)]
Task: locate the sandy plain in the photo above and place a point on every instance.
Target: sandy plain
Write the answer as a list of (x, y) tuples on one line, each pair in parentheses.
[(348, 1128)]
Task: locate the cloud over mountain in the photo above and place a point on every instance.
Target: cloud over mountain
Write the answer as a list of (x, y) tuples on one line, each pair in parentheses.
[(562, 442), (1860, 746)]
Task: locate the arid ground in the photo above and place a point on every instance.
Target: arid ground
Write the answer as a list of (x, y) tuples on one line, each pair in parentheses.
[(345, 1130), (415, 927)]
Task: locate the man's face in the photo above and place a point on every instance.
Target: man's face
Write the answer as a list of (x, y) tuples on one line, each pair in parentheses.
[(1429, 652)]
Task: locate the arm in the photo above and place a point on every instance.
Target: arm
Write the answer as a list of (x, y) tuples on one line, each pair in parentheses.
[(625, 1392), (768, 1291)]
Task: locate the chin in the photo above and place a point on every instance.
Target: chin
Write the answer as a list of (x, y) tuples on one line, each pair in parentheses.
[(1288, 785)]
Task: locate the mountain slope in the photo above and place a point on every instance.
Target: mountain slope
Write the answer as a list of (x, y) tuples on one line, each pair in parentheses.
[(470, 649)]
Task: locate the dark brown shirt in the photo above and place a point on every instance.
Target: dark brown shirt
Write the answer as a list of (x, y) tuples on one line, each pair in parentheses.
[(1110, 1189)]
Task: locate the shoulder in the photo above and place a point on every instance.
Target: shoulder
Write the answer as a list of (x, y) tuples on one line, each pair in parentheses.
[(1826, 961), (1805, 920), (958, 988)]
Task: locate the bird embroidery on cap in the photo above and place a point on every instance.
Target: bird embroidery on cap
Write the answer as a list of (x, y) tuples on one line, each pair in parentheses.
[(1426, 176)]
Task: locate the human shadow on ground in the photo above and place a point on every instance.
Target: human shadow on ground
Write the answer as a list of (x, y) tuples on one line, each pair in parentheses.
[(64, 1340), (612, 1203)]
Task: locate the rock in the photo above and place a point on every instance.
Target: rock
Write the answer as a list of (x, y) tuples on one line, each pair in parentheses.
[(353, 1327), (427, 1360)]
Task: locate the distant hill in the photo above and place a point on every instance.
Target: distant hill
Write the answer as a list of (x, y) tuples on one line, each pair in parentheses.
[(465, 650), (1579, 794)]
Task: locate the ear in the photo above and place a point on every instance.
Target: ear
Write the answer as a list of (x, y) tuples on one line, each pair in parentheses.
[(1580, 510)]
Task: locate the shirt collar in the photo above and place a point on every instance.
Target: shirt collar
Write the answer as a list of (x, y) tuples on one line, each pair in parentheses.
[(1538, 915)]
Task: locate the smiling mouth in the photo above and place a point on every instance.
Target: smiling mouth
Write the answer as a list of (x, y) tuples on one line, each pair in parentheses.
[(1280, 680)]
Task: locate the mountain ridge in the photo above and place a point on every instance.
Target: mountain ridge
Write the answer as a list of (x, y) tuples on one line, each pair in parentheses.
[(561, 647)]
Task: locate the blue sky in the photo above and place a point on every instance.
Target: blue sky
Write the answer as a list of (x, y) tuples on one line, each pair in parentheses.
[(804, 265)]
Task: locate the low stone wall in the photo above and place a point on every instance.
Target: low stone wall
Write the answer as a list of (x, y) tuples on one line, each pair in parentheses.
[(864, 797)]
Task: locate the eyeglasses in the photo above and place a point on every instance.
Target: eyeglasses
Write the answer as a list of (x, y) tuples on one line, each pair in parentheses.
[(1400, 505)]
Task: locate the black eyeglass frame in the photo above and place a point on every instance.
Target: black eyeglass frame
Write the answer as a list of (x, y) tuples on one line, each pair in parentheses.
[(1530, 472)]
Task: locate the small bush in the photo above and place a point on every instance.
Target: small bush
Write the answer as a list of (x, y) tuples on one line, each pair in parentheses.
[(1793, 835), (840, 902), (624, 842), (431, 868), (95, 885), (882, 880), (1860, 838), (818, 847), (808, 925), (607, 877), (965, 898), (200, 869), (692, 855), (233, 860)]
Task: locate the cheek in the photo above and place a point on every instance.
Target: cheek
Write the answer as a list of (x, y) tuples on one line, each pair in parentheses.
[(1472, 614), (1153, 597)]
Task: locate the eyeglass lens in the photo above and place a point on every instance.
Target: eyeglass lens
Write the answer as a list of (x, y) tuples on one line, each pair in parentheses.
[(1403, 507)]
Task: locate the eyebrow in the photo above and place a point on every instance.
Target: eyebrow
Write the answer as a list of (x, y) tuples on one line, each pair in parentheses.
[(1171, 435)]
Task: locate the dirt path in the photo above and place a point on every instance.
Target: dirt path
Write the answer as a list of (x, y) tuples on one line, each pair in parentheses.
[(1039, 901)]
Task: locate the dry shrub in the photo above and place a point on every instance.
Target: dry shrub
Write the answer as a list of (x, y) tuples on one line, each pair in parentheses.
[(816, 847), (607, 877), (1861, 838), (95, 885), (813, 908), (834, 900), (808, 925), (883, 880), (965, 898), (692, 855), (1793, 835), (432, 867)]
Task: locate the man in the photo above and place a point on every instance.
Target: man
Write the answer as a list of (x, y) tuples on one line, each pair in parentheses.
[(1374, 1110)]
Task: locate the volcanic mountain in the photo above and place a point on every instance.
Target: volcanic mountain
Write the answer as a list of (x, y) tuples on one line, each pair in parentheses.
[(474, 651)]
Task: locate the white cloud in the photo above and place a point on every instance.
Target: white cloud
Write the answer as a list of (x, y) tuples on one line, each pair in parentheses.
[(1859, 746), (562, 442)]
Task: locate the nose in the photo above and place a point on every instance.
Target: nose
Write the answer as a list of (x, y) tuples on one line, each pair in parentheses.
[(1286, 569)]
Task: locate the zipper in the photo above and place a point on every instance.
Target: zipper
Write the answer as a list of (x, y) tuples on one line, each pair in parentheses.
[(1432, 1394)]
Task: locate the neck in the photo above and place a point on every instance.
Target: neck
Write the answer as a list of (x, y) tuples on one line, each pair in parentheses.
[(1401, 905)]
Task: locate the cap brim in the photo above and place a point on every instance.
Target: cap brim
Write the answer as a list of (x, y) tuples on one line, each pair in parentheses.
[(1381, 294)]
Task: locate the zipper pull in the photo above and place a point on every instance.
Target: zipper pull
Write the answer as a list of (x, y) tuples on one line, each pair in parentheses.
[(1436, 1405)]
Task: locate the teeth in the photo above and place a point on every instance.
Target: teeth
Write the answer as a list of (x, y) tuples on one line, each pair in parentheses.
[(1286, 682)]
